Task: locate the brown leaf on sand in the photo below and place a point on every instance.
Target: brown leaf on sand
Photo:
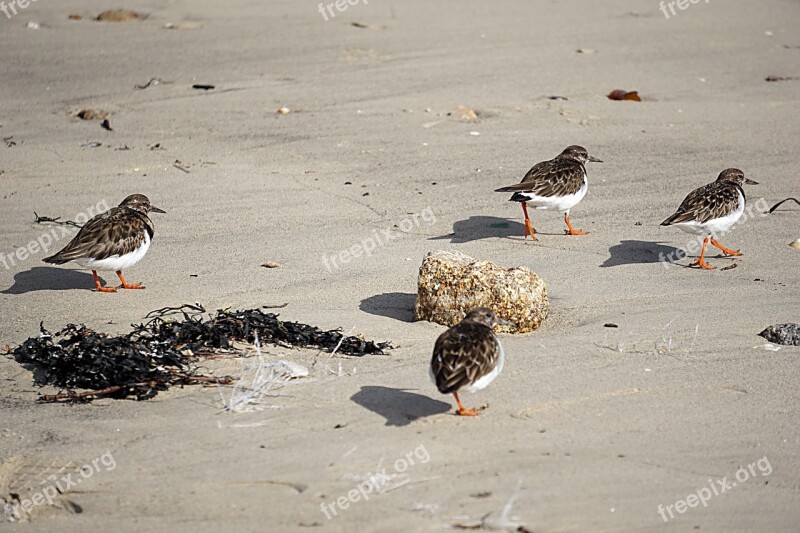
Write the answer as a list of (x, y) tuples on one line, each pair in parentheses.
[(92, 114), (619, 94), (119, 15)]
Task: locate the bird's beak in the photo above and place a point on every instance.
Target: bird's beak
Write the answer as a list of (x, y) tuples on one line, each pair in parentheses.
[(750, 182), (155, 209), (593, 159)]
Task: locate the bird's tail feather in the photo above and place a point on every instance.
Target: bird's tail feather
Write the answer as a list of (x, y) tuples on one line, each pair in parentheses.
[(56, 259)]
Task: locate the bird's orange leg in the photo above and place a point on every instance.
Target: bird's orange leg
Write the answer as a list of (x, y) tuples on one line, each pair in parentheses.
[(528, 226), (125, 284), (464, 412), (726, 251), (571, 230), (701, 262), (99, 287)]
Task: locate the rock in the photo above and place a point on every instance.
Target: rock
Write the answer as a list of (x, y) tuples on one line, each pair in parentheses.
[(451, 284), (786, 334)]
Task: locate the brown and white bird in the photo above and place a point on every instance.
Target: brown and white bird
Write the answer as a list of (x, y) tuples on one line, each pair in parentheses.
[(712, 209), (558, 184), (114, 240), (468, 356)]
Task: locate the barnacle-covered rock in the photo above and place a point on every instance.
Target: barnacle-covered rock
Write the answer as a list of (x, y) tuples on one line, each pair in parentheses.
[(451, 284)]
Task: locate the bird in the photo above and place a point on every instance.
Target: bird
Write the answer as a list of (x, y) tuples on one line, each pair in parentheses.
[(468, 356), (712, 209), (114, 240), (558, 184)]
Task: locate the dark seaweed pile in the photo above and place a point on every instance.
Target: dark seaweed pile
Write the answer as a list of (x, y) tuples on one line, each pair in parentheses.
[(158, 354), (217, 333), (119, 367)]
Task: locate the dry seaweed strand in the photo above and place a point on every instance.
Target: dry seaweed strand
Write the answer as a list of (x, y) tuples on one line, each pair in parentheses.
[(57, 220), (776, 206), (158, 354), (74, 396)]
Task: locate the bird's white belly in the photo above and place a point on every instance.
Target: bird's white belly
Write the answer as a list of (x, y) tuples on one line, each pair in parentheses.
[(715, 226), (561, 204), (117, 262), (483, 382)]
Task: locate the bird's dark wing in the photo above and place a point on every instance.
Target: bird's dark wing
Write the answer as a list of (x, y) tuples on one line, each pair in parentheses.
[(557, 177), (118, 231), (708, 202), (462, 355)]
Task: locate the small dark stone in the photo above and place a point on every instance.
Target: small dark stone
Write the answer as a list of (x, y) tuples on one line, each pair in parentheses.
[(610, 325)]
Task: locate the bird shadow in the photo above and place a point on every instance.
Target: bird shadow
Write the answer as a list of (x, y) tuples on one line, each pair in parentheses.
[(396, 305), (638, 252), (49, 279), (482, 227), (397, 406)]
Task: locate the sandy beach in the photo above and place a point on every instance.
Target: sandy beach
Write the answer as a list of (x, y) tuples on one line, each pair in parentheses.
[(589, 428)]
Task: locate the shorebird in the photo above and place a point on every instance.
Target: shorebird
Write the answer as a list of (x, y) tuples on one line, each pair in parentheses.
[(114, 240), (468, 356), (558, 184), (712, 209)]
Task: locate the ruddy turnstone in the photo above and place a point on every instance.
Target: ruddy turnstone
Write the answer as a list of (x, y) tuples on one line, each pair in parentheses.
[(114, 240), (558, 184), (712, 209), (468, 356)]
